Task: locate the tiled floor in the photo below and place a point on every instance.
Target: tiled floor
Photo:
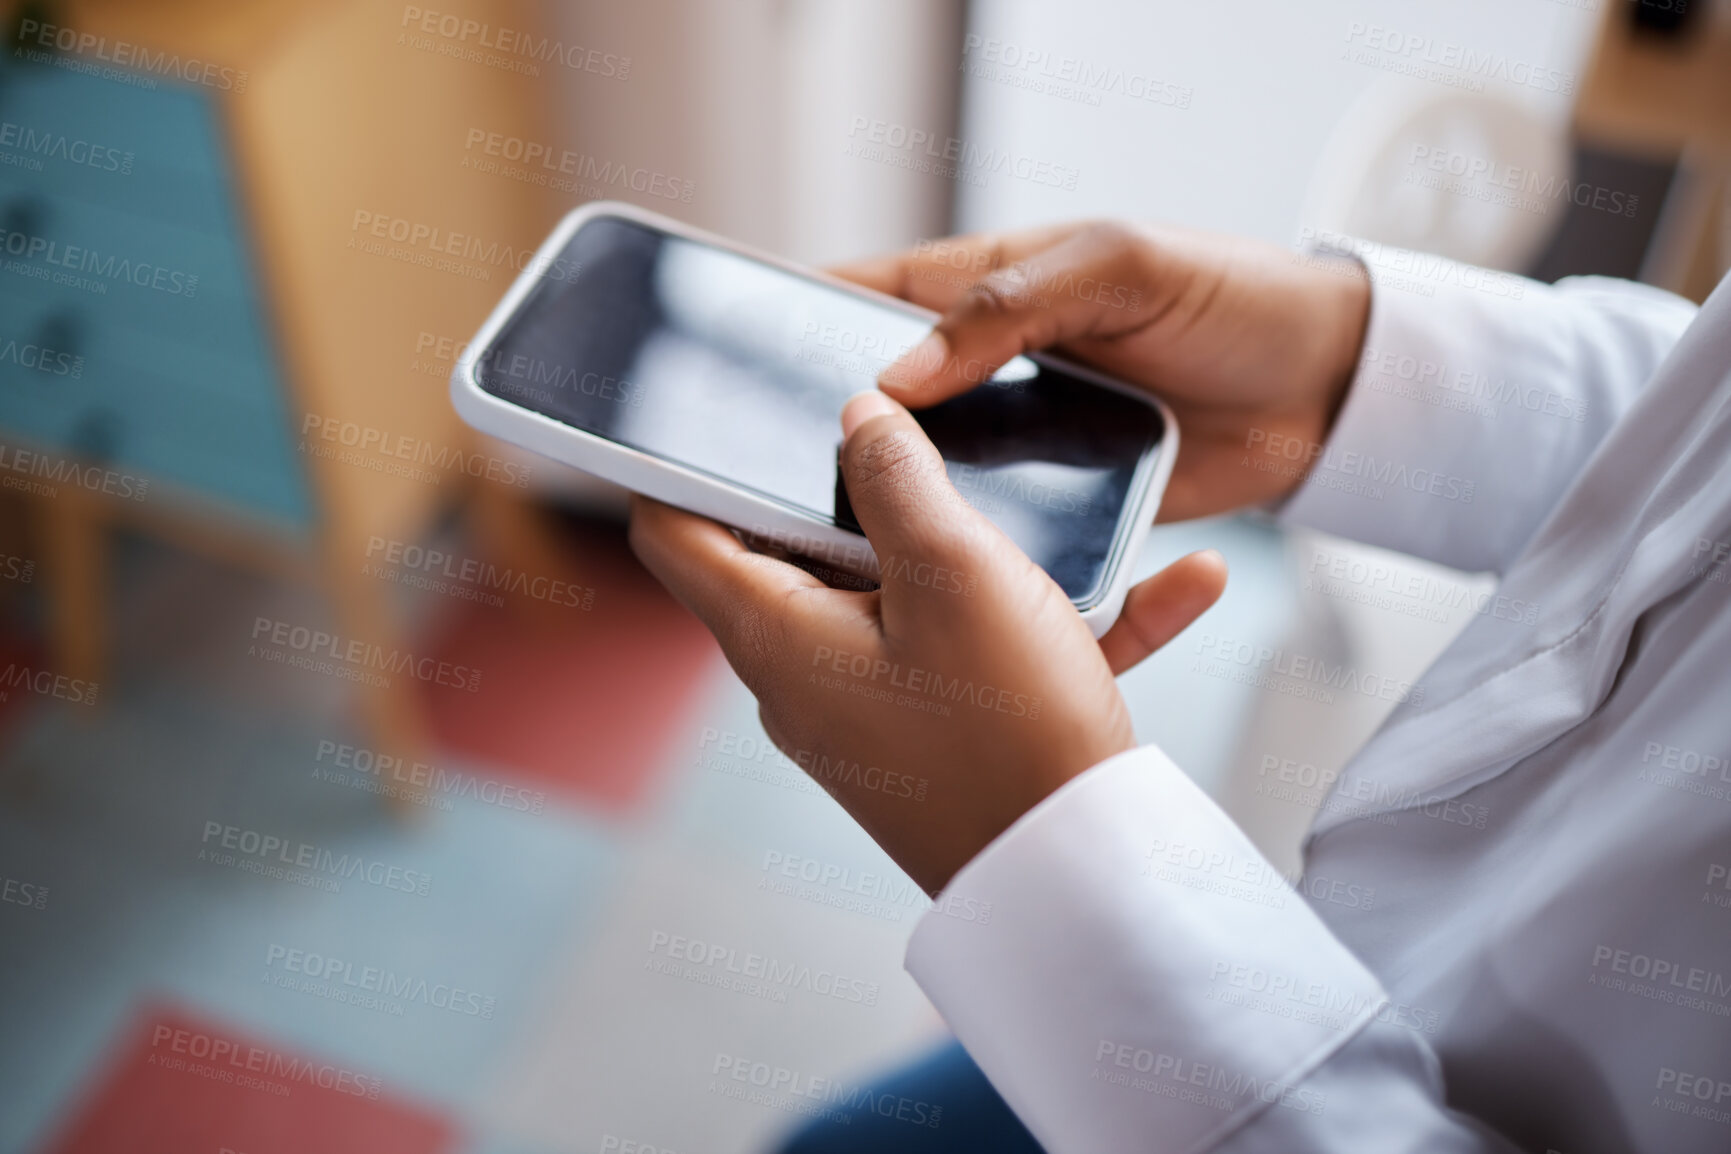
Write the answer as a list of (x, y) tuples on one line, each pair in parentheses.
[(572, 931)]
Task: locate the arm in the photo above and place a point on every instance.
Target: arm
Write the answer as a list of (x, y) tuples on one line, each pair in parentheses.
[(1477, 401), (1088, 965), (1087, 974), (1192, 1001), (1430, 407)]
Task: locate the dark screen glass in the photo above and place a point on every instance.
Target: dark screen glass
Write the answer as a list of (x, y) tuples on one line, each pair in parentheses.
[(739, 370)]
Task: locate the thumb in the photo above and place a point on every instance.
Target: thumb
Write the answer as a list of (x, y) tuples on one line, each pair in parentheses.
[(919, 525), (1048, 298)]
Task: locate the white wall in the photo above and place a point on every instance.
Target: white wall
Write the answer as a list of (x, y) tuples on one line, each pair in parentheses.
[(1246, 99), (756, 102), (1267, 84), (753, 101)]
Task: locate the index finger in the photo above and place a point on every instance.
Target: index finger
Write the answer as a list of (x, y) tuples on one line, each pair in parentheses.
[(732, 590), (935, 274)]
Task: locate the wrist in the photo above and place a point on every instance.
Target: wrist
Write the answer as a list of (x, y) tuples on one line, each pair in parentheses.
[(1339, 308), (1346, 319)]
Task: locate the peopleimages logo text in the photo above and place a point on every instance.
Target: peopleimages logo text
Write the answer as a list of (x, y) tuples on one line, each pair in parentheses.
[(38, 35), (1424, 53), (867, 670), (341, 975), (360, 654), (418, 775), (267, 1063), (434, 240), (403, 447), (525, 48), (264, 846), (579, 166), (762, 968), (966, 157), (42, 144), (107, 266), (1304, 668)]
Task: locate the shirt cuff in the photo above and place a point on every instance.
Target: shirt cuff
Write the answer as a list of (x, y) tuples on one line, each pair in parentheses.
[(1403, 464), (1147, 980)]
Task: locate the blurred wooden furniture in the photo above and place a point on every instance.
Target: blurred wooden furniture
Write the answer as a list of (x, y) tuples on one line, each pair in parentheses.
[(252, 180), (1667, 94)]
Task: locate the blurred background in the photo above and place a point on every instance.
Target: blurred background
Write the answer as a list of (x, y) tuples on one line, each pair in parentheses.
[(523, 883)]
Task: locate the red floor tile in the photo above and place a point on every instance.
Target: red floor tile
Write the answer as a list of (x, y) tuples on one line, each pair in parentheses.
[(578, 703), (22, 662), (177, 1083)]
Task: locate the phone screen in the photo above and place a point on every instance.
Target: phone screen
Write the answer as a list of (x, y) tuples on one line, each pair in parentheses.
[(739, 370)]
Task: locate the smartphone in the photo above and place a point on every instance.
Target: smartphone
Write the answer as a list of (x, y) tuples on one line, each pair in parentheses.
[(693, 370)]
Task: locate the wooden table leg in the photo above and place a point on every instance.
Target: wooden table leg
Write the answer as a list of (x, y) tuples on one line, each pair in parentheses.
[(74, 529), (394, 716)]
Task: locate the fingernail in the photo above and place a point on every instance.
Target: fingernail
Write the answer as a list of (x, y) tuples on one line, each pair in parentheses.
[(862, 407), (917, 363)]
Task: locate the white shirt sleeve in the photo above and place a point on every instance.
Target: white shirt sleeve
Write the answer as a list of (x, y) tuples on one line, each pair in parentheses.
[(1479, 398), (1148, 982)]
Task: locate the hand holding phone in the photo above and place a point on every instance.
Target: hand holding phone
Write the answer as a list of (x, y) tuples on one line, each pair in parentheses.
[(692, 370), (969, 670), (1250, 346), (944, 705)]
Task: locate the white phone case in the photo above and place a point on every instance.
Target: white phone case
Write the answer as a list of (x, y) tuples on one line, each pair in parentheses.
[(757, 516)]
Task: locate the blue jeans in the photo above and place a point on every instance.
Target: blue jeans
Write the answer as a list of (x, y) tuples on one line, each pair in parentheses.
[(973, 1119)]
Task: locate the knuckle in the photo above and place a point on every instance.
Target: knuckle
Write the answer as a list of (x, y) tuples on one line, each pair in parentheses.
[(1118, 244), (756, 646), (1119, 249), (1014, 287), (991, 255), (957, 540), (992, 298), (1110, 233)]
